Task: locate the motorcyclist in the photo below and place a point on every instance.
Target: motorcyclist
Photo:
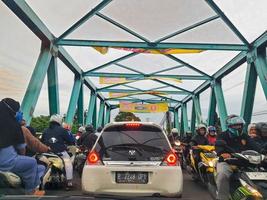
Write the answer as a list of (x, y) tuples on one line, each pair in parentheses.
[(88, 138), (186, 141), (200, 137), (211, 136), (232, 138), (174, 135), (56, 136)]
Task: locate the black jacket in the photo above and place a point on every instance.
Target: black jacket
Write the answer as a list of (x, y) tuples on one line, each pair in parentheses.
[(88, 140), (56, 137), (238, 144), (199, 140)]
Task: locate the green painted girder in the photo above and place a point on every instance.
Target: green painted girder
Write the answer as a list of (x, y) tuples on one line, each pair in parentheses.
[(73, 99), (212, 109), (52, 80), (225, 70), (167, 69), (134, 91), (90, 110), (197, 109), (107, 117), (122, 27), (168, 84), (193, 119), (227, 21), (35, 84), (80, 107), (30, 19), (152, 45), (110, 63), (101, 113), (261, 68), (90, 14), (188, 28), (94, 121), (145, 76), (220, 103), (141, 100), (128, 68), (260, 41), (176, 120), (249, 93), (185, 118), (188, 65)]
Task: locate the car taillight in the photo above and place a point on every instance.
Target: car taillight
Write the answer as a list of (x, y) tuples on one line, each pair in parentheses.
[(93, 158), (133, 125), (171, 159)]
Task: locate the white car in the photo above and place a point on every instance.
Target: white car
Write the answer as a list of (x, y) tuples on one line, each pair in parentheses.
[(132, 159)]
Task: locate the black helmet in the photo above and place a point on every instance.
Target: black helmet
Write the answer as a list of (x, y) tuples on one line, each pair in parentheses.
[(90, 128)]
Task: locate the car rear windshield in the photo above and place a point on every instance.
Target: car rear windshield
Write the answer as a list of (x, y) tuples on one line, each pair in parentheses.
[(136, 143)]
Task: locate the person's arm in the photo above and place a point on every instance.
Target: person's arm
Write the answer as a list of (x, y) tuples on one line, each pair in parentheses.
[(33, 143), (67, 137), (254, 146), (21, 149)]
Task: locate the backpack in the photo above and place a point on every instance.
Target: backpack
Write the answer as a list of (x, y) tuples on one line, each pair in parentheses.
[(262, 129)]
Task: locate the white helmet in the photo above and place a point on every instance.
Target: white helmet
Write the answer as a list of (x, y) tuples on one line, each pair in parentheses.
[(175, 130), (82, 129), (56, 118)]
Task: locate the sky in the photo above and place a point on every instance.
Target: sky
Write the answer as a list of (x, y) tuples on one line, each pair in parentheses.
[(20, 48)]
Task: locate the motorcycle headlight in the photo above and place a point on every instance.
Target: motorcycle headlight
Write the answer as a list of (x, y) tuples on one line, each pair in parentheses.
[(177, 143), (250, 189), (211, 164), (254, 159)]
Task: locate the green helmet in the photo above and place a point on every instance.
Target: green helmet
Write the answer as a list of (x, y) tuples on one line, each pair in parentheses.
[(234, 120)]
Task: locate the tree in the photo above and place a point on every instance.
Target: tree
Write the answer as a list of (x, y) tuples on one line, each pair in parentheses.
[(40, 123), (126, 116)]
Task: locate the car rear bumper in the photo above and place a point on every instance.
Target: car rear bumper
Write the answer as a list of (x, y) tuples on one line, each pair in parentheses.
[(162, 180)]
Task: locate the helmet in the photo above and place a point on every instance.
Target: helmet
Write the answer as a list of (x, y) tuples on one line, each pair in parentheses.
[(188, 133), (232, 121), (56, 118), (90, 128), (99, 129), (201, 126), (175, 130), (212, 130), (81, 129)]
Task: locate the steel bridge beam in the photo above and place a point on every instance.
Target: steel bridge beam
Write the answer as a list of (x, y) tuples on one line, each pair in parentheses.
[(212, 108), (152, 45), (261, 68), (74, 99), (197, 109), (35, 84), (91, 108), (107, 117), (138, 91), (80, 107), (193, 119), (52, 80), (184, 122), (101, 114)]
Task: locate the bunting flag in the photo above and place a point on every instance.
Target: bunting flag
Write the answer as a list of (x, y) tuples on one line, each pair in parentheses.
[(118, 94), (143, 108), (104, 50)]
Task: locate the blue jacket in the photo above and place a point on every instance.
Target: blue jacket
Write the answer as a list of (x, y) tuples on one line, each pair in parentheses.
[(57, 138)]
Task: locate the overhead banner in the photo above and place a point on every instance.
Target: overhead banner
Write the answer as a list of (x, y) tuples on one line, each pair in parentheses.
[(116, 80), (143, 108), (118, 94), (104, 50)]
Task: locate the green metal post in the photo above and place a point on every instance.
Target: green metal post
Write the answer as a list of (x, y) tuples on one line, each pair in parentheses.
[(212, 108), (249, 94), (52, 79), (91, 108), (193, 119), (197, 109), (184, 119), (101, 114), (221, 103), (80, 107), (107, 118), (35, 84), (104, 116), (95, 115), (261, 67), (73, 99)]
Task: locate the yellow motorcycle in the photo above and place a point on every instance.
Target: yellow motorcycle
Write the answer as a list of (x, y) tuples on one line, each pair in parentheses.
[(203, 159)]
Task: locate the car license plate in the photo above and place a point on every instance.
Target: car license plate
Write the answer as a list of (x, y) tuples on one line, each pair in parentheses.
[(132, 177), (257, 175)]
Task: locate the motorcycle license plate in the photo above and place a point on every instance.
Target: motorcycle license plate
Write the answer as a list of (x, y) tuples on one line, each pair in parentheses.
[(257, 175), (132, 177)]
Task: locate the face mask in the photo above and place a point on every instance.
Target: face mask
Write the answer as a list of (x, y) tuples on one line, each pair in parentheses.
[(234, 132), (19, 116)]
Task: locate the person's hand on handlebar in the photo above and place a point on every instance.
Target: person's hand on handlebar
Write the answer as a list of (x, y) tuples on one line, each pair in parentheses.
[(226, 155)]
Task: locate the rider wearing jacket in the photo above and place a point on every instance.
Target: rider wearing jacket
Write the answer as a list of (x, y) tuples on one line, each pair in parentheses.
[(211, 136), (234, 139), (200, 137)]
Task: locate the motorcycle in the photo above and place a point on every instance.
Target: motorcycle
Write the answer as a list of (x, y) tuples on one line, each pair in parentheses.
[(202, 167), (79, 161), (249, 180)]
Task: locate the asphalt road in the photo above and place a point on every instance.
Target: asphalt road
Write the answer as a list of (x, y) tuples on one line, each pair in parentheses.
[(192, 191)]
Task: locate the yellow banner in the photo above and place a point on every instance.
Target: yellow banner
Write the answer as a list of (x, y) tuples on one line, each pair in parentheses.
[(118, 94), (104, 50), (143, 108), (111, 80)]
